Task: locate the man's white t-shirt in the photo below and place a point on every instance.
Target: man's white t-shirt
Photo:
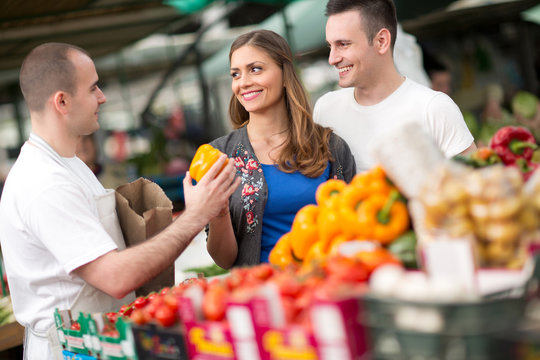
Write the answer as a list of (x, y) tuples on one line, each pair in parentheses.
[(49, 226), (362, 126)]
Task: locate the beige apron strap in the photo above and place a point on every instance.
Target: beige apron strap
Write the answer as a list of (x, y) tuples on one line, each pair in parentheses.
[(50, 336), (54, 343)]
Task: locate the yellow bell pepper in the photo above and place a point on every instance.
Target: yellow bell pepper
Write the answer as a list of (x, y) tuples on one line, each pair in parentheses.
[(350, 200), (385, 216), (304, 230), (373, 181), (205, 156), (330, 225), (281, 253), (316, 253), (327, 192)]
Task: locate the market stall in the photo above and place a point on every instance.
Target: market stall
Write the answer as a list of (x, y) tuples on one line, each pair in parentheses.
[(419, 257)]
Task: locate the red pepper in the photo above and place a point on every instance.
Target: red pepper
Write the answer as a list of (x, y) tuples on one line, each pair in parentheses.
[(527, 168), (512, 143)]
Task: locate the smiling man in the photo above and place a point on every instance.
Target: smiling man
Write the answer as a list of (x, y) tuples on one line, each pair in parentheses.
[(375, 97), (61, 241)]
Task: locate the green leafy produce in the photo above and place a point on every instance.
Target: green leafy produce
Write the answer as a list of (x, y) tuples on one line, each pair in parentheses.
[(404, 247), (472, 123), (208, 271), (525, 104), (6, 311)]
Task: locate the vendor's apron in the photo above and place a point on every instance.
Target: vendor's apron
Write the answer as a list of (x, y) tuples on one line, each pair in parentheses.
[(89, 299)]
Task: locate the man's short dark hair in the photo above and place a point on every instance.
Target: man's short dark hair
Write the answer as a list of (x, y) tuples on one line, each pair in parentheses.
[(376, 14), (45, 70)]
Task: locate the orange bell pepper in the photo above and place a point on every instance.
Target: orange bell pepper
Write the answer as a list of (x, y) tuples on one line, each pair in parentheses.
[(326, 194), (385, 216), (317, 253), (304, 230), (205, 156), (330, 225), (281, 253), (373, 181), (350, 200)]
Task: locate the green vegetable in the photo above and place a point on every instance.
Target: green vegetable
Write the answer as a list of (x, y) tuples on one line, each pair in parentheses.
[(404, 247), (208, 271), (525, 104), (472, 123)]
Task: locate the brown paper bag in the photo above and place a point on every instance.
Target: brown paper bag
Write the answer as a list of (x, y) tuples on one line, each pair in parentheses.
[(143, 211)]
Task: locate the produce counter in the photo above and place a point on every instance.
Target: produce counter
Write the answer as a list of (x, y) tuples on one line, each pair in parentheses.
[(11, 335)]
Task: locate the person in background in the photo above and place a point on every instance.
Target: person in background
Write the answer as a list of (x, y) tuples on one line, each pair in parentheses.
[(439, 74), (375, 96), (61, 242), (281, 155), (87, 152)]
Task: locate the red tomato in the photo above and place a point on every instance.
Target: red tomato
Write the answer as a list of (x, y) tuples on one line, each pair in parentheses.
[(75, 326), (140, 302), (262, 272), (236, 278), (171, 301), (125, 310), (164, 291), (376, 257), (215, 303), (288, 284), (112, 316), (140, 317), (346, 269), (111, 333), (165, 316)]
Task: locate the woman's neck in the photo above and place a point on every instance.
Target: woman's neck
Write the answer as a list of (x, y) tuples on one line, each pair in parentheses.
[(267, 135)]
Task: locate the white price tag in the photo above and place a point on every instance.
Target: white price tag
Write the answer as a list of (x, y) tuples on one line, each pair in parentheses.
[(452, 260)]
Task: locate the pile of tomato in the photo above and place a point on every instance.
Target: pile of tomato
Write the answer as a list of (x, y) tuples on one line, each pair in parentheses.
[(338, 277)]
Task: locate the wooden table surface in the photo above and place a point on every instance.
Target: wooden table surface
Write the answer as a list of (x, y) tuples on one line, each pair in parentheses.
[(11, 335)]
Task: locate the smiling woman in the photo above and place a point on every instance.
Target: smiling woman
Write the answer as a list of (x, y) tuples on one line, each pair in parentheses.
[(279, 153)]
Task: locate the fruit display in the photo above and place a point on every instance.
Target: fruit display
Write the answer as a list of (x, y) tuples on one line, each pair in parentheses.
[(490, 206), (369, 208)]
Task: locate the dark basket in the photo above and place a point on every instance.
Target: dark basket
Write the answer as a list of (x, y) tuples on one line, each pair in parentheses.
[(466, 330)]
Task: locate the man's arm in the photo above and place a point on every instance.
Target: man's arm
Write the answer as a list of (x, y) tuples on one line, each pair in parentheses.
[(469, 150), (119, 272)]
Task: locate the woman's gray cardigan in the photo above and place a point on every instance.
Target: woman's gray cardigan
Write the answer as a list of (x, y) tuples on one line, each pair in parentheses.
[(247, 203)]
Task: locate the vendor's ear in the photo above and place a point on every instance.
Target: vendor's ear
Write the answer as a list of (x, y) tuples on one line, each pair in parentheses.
[(383, 41), (60, 102)]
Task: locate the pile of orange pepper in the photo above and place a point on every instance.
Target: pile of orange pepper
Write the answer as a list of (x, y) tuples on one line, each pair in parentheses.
[(369, 208)]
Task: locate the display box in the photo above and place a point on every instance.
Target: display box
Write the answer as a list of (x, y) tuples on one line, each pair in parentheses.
[(68, 355), (73, 334), (259, 332), (208, 340), (111, 341), (338, 328), (154, 342), (464, 330)]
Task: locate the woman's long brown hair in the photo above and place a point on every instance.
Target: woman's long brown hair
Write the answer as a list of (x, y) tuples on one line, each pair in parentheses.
[(307, 146)]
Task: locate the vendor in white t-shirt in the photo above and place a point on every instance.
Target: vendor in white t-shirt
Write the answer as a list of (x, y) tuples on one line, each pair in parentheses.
[(361, 35), (61, 242)]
